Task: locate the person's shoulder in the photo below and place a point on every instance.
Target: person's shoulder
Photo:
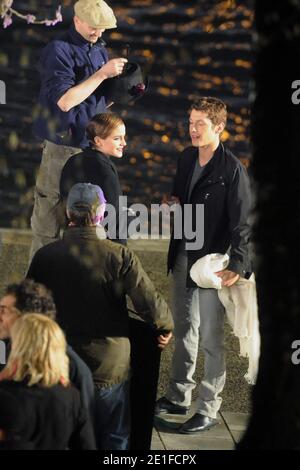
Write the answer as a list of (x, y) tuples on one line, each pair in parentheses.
[(189, 151), (77, 362), (234, 168), (92, 154), (50, 246), (188, 154), (46, 251), (75, 159), (232, 160), (59, 45), (113, 248), (100, 157), (129, 257), (116, 253)]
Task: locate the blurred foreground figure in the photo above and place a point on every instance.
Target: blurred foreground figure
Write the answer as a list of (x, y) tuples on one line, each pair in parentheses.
[(37, 374), (31, 297)]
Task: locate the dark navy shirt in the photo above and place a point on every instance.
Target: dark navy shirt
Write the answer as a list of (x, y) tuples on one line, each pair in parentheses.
[(64, 63)]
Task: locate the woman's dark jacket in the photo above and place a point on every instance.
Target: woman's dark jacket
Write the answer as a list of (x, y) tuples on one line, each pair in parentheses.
[(92, 166), (55, 418)]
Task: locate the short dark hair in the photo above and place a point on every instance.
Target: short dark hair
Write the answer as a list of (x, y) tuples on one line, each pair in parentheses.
[(215, 108), (32, 297)]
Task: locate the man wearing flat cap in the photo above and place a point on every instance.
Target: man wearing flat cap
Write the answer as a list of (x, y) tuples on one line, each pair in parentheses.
[(71, 68)]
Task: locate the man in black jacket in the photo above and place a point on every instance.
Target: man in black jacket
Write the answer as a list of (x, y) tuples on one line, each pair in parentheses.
[(90, 277), (207, 174)]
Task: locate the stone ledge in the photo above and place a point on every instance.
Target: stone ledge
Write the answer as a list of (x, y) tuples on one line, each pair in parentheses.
[(23, 237)]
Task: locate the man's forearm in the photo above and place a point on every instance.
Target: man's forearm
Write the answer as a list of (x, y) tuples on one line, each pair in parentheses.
[(78, 93)]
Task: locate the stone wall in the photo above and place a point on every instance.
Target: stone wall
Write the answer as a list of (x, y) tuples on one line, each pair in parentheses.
[(188, 48)]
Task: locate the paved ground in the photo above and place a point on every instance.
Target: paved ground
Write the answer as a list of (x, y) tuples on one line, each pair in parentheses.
[(14, 247), (223, 436)]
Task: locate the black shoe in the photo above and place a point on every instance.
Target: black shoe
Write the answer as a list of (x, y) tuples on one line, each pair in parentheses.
[(197, 423), (163, 405)]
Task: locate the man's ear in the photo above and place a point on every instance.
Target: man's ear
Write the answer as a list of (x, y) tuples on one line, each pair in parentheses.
[(220, 128)]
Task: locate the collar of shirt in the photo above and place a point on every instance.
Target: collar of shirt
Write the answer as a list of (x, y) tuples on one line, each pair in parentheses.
[(88, 233), (78, 40), (93, 152)]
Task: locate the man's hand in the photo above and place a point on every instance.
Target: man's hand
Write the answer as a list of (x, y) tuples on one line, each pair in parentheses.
[(112, 68), (78, 93), (163, 340), (167, 203), (228, 277), (170, 200)]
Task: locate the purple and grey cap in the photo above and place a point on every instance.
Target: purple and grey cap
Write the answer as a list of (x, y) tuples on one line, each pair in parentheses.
[(87, 198)]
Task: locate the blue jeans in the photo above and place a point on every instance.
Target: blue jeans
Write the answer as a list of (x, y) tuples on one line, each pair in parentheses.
[(112, 417)]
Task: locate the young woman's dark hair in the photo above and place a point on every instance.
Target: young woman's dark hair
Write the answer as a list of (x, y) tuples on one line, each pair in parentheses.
[(102, 126)]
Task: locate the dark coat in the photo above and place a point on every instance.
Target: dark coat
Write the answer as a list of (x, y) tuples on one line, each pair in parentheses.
[(54, 416), (224, 190), (89, 279), (92, 166), (80, 376)]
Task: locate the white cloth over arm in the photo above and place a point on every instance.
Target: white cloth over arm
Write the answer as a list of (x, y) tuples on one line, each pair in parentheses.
[(240, 304)]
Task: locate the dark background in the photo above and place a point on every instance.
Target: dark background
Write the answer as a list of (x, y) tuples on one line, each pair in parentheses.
[(188, 49)]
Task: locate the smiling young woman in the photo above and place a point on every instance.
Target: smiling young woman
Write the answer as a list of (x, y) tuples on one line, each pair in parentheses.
[(106, 134)]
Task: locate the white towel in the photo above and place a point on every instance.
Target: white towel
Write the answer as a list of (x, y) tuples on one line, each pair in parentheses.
[(203, 271), (240, 304)]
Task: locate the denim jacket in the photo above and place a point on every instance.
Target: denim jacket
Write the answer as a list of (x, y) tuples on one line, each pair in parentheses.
[(64, 63)]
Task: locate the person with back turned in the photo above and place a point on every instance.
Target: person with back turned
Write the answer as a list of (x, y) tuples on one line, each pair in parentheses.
[(90, 277)]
